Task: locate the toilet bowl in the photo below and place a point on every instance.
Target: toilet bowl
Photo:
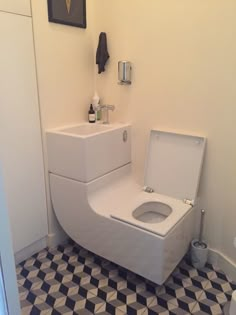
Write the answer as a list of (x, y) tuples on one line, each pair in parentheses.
[(146, 229), (152, 212)]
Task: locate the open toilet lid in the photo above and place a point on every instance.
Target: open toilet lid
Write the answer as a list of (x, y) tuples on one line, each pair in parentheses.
[(173, 164)]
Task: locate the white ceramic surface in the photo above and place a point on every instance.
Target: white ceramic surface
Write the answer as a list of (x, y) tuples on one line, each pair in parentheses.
[(86, 129), (87, 151), (117, 195), (148, 254), (152, 212), (99, 216), (174, 163)]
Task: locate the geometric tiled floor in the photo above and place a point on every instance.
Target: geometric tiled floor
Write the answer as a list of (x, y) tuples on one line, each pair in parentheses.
[(71, 280)]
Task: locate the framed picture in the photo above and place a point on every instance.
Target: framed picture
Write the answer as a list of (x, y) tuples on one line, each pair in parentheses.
[(68, 12)]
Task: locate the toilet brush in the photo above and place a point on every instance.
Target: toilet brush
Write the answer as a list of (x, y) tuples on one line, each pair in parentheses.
[(199, 243), (199, 249)]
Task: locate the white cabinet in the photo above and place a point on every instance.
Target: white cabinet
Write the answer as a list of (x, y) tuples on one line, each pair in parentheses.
[(20, 136), (16, 6), (8, 287)]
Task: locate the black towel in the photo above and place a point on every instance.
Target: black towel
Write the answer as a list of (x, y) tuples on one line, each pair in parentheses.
[(102, 53)]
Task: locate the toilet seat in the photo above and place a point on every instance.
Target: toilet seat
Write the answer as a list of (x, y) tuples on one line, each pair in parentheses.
[(122, 195), (179, 210), (172, 171)]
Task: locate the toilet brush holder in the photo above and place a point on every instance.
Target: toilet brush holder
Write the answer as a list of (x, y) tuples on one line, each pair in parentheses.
[(199, 249), (199, 254)]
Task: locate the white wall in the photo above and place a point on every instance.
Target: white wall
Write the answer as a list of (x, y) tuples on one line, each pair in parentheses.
[(65, 66), (184, 73), (65, 62)]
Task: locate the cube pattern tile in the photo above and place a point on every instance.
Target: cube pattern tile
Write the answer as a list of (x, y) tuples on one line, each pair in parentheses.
[(71, 280)]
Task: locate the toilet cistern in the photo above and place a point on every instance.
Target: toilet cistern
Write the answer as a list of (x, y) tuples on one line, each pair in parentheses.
[(105, 112)]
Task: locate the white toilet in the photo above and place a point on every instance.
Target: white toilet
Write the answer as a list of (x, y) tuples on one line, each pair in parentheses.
[(146, 229)]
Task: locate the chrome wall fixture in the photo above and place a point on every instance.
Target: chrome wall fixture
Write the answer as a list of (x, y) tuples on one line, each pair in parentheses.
[(124, 72)]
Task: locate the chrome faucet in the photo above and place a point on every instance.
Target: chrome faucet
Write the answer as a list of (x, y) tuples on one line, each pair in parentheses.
[(105, 112)]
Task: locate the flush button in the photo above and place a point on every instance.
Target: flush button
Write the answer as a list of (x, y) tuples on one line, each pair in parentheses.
[(125, 136)]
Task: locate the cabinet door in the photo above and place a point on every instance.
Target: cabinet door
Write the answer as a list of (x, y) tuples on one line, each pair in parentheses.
[(9, 299), (20, 135), (16, 6)]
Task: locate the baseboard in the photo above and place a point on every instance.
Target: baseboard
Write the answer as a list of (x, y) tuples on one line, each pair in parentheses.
[(30, 250), (51, 241), (55, 239), (221, 261)]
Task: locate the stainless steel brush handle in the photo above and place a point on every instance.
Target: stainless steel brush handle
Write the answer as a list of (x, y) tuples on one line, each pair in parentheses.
[(201, 225)]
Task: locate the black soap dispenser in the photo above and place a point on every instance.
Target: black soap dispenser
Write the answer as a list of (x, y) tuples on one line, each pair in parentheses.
[(91, 115)]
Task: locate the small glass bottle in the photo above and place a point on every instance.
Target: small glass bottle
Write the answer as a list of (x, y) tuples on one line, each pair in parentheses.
[(91, 115)]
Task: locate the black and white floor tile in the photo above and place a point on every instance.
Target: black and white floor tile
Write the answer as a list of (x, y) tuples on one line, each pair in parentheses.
[(71, 280)]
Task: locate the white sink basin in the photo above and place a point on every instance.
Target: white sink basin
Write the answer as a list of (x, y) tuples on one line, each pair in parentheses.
[(87, 151), (86, 129)]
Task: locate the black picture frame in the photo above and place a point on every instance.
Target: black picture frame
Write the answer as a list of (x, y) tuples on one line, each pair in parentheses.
[(58, 12)]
